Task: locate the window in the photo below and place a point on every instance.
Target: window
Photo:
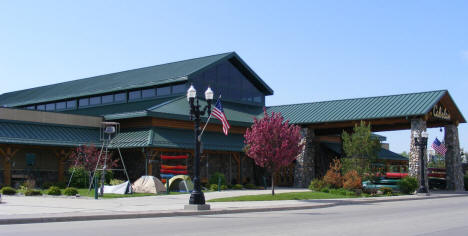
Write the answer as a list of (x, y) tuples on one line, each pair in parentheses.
[(84, 102), (258, 99), (107, 99), (163, 91), (41, 107), (31, 107), (147, 93), (120, 97), (60, 105), (71, 104), (50, 107), (180, 88), (95, 100), (133, 95)]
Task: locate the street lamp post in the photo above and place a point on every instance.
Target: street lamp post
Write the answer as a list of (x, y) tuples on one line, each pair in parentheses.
[(420, 139), (197, 197)]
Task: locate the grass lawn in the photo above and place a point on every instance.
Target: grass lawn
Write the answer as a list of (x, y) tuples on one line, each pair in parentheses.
[(84, 192), (282, 196)]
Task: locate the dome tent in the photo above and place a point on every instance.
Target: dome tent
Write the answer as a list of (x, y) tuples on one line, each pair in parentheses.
[(148, 184), (181, 183)]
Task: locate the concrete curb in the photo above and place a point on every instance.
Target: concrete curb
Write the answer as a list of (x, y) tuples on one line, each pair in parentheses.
[(135, 215)]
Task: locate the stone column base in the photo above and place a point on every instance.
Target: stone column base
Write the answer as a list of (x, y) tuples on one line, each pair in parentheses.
[(196, 207)]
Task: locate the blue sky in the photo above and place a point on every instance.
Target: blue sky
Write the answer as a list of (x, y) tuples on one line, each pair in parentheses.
[(305, 50)]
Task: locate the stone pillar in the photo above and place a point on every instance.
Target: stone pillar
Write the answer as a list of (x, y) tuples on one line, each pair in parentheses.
[(453, 163), (304, 170), (417, 125)]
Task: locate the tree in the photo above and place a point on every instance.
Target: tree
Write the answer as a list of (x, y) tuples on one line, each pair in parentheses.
[(273, 143), (87, 157), (361, 149)]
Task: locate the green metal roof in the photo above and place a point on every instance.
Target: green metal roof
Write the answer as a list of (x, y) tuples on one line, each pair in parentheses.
[(137, 78), (176, 138), (403, 105), (13, 132), (383, 154)]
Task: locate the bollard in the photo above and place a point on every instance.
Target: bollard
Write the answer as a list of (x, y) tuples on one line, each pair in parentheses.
[(219, 183), (167, 186), (95, 188)]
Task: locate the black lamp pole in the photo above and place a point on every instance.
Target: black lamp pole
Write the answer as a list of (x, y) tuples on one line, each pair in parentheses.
[(197, 196), (421, 141)]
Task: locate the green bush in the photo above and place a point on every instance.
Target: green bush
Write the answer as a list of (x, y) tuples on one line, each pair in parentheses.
[(250, 186), (325, 190), (70, 191), (317, 184), (408, 185), (54, 190), (46, 185), (214, 187), (8, 191), (386, 190), (61, 185), (32, 192), (116, 182), (342, 191), (466, 182), (224, 187), (237, 186), (81, 177), (214, 178)]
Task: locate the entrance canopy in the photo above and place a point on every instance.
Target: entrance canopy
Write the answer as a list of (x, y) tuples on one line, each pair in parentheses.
[(385, 113)]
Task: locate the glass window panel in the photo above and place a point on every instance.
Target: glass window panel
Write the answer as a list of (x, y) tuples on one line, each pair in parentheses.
[(84, 102), (164, 91), (120, 97), (61, 105), (133, 95), (258, 99), (180, 88), (31, 107), (71, 104), (50, 107), (41, 107), (107, 99), (147, 93), (95, 100)]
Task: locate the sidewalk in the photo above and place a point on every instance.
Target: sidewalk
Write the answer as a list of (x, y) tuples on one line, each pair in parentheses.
[(20, 209)]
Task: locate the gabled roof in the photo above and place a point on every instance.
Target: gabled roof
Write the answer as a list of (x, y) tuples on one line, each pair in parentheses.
[(368, 108), (130, 79)]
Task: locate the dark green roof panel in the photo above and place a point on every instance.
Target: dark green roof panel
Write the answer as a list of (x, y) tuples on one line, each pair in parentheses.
[(45, 134), (402, 105)]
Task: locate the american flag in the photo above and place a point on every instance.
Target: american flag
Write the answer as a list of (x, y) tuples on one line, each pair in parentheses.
[(218, 112), (439, 147)]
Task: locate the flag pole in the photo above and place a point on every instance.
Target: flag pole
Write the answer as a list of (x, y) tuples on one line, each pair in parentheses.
[(208, 120)]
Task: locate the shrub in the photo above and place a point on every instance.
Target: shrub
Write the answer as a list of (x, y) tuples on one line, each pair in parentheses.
[(333, 176), (46, 185), (70, 191), (32, 192), (224, 187), (250, 186), (317, 184), (408, 185), (214, 178), (237, 186), (352, 180), (325, 190), (386, 190), (54, 190), (213, 187), (116, 181), (80, 178), (8, 191), (61, 185)]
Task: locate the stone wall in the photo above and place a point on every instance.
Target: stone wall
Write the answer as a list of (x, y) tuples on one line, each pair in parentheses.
[(453, 159), (305, 163), (418, 125)]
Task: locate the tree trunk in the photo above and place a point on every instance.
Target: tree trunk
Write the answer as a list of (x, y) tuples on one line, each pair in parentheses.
[(273, 183)]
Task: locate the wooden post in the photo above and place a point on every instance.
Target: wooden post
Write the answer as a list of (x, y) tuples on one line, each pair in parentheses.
[(62, 155), (153, 155), (8, 153)]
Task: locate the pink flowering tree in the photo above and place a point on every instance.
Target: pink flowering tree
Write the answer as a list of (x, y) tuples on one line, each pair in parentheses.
[(86, 156), (273, 143)]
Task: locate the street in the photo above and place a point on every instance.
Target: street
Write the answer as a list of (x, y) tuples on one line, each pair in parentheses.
[(420, 217)]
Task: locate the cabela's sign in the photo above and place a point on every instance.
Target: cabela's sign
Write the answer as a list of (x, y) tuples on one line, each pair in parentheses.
[(440, 112)]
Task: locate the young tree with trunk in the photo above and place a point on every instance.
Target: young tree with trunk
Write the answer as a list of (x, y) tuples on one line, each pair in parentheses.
[(273, 143)]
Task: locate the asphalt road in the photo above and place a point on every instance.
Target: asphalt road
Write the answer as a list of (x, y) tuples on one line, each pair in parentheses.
[(423, 217)]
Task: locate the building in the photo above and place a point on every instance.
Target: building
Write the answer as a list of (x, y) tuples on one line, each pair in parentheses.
[(39, 127)]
